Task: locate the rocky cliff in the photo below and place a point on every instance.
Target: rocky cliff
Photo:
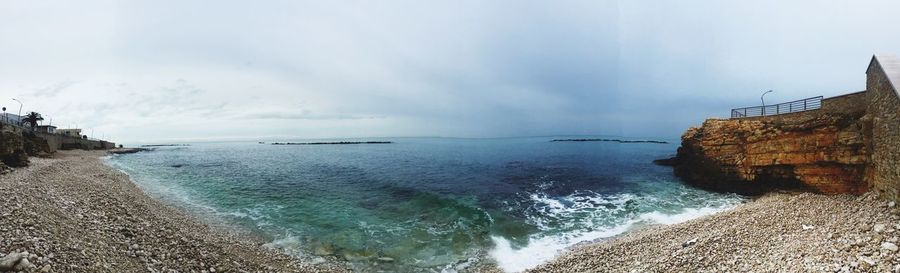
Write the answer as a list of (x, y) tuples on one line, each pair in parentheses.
[(822, 152), (12, 149), (16, 145), (850, 145)]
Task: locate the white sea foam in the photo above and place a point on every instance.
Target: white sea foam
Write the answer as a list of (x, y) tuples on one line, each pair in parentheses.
[(685, 215), (542, 248), (289, 244)]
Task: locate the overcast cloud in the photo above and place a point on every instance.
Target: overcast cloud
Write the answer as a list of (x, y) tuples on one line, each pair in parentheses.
[(140, 71)]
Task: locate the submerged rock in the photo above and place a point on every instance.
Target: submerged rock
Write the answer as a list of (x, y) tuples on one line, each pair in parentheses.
[(672, 161), (386, 259)]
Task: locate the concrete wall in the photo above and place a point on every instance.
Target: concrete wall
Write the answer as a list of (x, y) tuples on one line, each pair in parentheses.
[(883, 117)]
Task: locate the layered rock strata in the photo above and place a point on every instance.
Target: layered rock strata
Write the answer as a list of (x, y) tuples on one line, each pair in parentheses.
[(822, 153)]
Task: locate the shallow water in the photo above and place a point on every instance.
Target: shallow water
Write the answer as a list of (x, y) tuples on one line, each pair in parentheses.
[(426, 204)]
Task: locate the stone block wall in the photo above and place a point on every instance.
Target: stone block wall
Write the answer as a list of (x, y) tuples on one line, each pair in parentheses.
[(883, 118)]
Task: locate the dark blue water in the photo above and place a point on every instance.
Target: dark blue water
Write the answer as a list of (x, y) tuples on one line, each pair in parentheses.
[(425, 204)]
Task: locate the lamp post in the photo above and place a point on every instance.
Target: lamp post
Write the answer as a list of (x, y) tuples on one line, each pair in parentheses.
[(20, 111), (761, 98)]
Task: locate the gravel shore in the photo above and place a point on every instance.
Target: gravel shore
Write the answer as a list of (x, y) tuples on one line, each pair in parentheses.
[(72, 213), (775, 233)]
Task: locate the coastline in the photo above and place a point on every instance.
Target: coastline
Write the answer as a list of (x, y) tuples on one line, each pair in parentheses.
[(74, 213)]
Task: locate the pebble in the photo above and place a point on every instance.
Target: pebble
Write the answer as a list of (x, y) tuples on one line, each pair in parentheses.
[(889, 246), (867, 260), (689, 243), (24, 264), (9, 262)]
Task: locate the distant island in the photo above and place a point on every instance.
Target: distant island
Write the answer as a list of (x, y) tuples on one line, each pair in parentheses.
[(608, 140), (120, 151), (332, 143), (165, 145)]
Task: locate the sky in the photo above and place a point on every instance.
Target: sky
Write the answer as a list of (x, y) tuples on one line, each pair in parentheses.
[(187, 70)]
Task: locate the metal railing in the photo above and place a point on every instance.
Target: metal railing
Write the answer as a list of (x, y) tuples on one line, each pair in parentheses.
[(6, 119), (778, 109), (11, 122)]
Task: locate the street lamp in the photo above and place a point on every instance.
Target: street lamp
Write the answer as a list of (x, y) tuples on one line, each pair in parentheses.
[(764, 101), (20, 111)]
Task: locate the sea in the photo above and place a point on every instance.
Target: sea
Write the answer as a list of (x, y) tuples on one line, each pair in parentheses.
[(425, 204)]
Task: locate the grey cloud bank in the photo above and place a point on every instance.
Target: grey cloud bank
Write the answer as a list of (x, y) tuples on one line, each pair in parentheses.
[(160, 70)]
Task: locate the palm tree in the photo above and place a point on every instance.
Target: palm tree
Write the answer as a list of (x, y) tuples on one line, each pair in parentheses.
[(32, 119)]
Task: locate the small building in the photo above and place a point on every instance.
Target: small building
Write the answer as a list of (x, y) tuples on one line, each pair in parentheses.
[(48, 129), (69, 132)]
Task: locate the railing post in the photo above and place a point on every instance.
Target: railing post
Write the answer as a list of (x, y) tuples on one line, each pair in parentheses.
[(804, 104), (778, 109)]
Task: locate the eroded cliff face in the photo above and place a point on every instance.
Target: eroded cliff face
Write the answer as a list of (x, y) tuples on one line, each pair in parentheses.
[(821, 152), (12, 150)]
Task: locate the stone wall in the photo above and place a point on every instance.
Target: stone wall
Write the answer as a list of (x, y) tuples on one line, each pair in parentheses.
[(883, 117), (62, 142)]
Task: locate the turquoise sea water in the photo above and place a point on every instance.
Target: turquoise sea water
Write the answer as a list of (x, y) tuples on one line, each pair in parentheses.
[(425, 204)]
